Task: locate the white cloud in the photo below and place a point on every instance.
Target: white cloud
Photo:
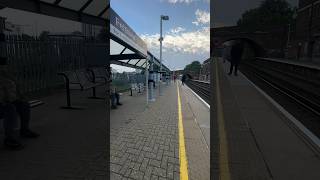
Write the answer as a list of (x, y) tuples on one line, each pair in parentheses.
[(121, 69), (177, 30), (202, 17), (194, 42)]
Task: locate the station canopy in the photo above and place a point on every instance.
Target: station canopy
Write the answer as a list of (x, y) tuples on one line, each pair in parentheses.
[(127, 48), (85, 11)]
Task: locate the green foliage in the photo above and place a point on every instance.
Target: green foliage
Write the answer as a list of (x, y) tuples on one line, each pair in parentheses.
[(194, 67), (273, 13), (120, 85)]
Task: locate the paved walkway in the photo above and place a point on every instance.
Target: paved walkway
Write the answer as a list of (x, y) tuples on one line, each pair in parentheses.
[(262, 142), (145, 140), (71, 143), (196, 119)]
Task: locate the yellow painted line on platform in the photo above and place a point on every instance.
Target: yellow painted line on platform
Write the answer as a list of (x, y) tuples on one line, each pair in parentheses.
[(223, 142), (182, 147)]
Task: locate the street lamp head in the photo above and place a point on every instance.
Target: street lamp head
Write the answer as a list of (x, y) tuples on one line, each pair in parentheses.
[(166, 18)]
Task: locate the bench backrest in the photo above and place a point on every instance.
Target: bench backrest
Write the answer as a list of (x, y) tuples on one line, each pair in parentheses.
[(72, 76), (134, 86), (83, 78), (141, 86)]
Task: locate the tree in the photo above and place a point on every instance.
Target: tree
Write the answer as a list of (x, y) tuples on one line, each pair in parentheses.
[(270, 12), (194, 67)]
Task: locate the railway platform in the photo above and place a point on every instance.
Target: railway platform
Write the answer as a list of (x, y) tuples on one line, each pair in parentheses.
[(70, 143), (256, 138), (166, 139)]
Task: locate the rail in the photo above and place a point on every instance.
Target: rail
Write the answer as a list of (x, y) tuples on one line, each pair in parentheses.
[(201, 88), (302, 89)]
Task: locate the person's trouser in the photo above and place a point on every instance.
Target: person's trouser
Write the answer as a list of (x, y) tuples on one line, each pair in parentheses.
[(235, 65), (10, 113), (115, 99)]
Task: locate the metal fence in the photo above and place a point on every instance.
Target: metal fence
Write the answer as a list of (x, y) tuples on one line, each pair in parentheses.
[(124, 80), (35, 62)]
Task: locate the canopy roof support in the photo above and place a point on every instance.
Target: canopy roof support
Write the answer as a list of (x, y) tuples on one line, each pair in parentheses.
[(55, 10), (125, 56)]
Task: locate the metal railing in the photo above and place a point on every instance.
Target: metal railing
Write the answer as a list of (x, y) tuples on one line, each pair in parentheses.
[(35, 62)]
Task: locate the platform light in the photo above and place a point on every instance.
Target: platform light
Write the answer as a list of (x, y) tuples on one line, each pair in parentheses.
[(165, 18)]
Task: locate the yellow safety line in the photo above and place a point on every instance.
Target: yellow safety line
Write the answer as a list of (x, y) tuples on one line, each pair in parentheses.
[(223, 154), (182, 147)]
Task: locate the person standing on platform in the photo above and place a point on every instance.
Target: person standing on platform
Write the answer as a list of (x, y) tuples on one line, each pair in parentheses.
[(183, 79), (114, 95), (236, 54)]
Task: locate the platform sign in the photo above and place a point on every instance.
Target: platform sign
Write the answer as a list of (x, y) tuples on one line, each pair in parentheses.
[(120, 29)]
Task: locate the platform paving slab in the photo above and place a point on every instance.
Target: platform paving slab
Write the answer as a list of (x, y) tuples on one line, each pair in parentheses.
[(147, 145), (196, 117), (258, 135)]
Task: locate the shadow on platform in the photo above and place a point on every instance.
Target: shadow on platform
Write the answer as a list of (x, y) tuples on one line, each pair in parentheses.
[(71, 143)]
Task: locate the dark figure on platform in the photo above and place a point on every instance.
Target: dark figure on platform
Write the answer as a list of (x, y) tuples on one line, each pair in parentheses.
[(183, 79), (12, 106), (152, 82), (115, 100), (114, 95), (236, 54)]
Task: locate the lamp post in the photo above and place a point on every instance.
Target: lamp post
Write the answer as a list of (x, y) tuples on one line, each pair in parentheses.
[(165, 18)]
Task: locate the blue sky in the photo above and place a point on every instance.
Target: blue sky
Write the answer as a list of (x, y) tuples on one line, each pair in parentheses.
[(186, 34)]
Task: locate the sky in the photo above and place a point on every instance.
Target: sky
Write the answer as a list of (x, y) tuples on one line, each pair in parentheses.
[(186, 34)]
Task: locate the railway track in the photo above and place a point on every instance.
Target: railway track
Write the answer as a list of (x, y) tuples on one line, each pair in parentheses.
[(297, 100), (201, 88)]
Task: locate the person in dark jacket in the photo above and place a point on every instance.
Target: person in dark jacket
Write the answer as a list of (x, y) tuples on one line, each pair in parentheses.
[(13, 105), (114, 95), (236, 54), (183, 79)]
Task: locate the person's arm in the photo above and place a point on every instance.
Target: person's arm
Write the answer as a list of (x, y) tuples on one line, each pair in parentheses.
[(9, 91), (14, 81)]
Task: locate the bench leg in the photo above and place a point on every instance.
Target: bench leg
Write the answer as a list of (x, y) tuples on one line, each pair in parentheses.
[(130, 92), (69, 100), (94, 96)]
